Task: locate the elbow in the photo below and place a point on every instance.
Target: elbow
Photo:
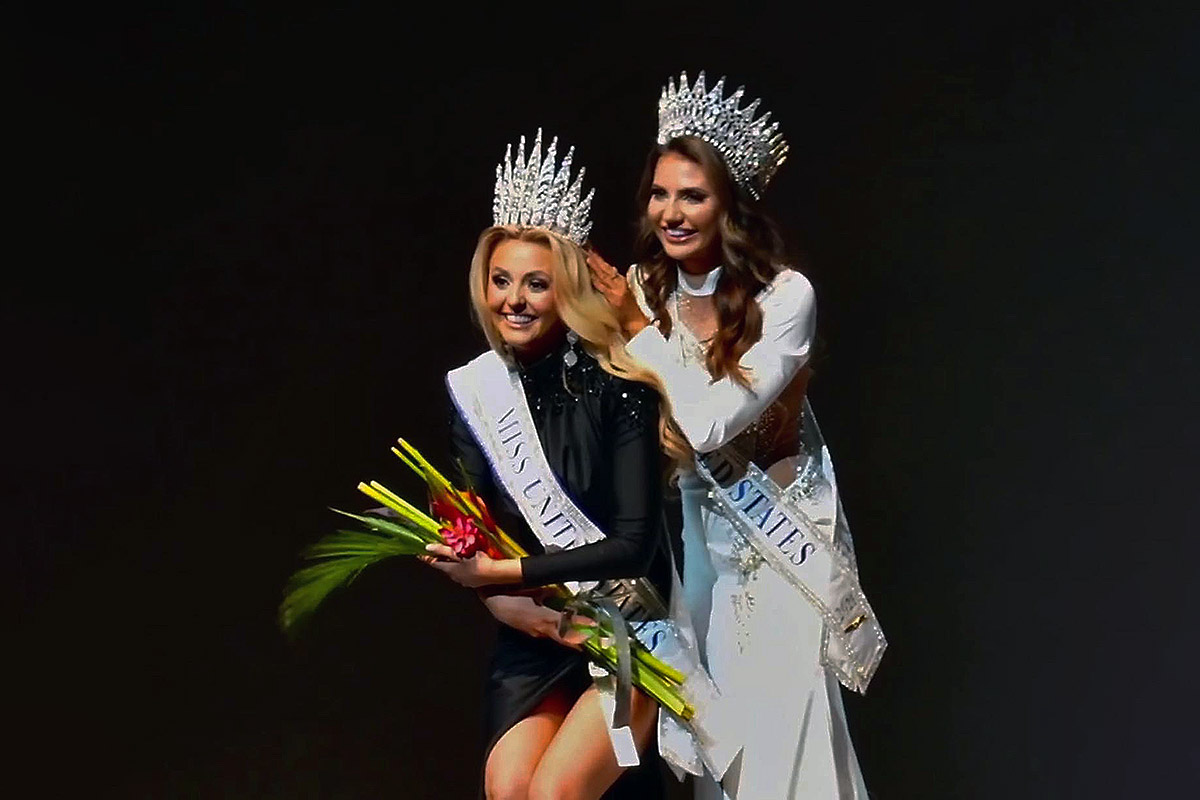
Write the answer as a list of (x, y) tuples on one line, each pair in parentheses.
[(645, 559), (637, 561)]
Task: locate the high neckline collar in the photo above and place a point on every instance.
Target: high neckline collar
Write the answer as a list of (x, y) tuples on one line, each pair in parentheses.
[(708, 287), (544, 363)]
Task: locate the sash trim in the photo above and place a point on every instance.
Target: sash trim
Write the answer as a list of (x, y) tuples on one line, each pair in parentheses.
[(814, 556)]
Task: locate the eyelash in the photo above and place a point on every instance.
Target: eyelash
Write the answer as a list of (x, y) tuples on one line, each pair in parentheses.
[(691, 197), (537, 285)]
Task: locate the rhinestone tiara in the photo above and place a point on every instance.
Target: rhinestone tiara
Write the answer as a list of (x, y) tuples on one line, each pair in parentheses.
[(532, 194), (752, 149)]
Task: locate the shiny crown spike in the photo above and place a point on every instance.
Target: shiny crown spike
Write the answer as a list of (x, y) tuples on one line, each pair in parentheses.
[(752, 149), (531, 194)]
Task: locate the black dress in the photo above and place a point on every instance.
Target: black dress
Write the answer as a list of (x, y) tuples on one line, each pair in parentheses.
[(600, 436)]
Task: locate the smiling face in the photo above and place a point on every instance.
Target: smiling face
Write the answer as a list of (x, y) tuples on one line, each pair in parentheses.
[(520, 297), (684, 208)]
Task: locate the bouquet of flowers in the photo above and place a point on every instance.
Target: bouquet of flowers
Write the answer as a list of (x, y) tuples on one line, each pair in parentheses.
[(460, 519)]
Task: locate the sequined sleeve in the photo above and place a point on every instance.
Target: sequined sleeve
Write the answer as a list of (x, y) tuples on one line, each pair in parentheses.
[(711, 413)]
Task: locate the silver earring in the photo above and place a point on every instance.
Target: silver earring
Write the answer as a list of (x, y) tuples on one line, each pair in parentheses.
[(570, 359), (572, 339)]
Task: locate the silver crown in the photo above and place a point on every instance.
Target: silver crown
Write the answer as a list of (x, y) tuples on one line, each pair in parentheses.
[(531, 194), (752, 149)]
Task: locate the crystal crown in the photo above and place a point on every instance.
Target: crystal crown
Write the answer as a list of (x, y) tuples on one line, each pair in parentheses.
[(532, 194), (752, 149)]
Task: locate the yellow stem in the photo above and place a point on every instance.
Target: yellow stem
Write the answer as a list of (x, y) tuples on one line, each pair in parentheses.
[(664, 670), (647, 681), (438, 483), (402, 508), (426, 467), (440, 487), (379, 487), (407, 462)]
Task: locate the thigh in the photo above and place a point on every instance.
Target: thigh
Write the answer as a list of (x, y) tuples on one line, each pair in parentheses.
[(579, 762), (512, 760)]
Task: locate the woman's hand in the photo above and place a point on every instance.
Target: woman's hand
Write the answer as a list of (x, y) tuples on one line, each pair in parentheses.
[(478, 570), (616, 291), (524, 614)]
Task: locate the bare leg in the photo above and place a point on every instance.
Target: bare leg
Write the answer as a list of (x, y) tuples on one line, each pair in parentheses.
[(511, 763), (579, 764)]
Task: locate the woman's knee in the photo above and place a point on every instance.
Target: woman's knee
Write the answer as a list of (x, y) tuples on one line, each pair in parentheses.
[(550, 784), (505, 782), (507, 773)]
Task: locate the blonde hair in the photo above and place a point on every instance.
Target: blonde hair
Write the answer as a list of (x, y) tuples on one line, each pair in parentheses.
[(582, 309)]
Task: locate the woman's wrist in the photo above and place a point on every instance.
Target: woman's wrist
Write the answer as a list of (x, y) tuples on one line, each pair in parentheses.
[(505, 570), (633, 319)]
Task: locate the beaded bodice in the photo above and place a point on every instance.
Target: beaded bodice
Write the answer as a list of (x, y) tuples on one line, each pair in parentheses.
[(569, 374)]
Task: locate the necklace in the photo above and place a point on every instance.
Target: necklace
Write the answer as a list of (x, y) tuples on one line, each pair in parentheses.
[(693, 304), (694, 307)]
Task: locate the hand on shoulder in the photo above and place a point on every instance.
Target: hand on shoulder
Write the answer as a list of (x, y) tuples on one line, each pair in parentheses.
[(617, 290)]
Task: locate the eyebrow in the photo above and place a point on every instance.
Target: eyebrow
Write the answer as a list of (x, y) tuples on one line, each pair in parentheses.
[(696, 188), (536, 273)]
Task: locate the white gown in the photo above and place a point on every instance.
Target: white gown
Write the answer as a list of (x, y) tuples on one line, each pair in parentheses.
[(761, 639)]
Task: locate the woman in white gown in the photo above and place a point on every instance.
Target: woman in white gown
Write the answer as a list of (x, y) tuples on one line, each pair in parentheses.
[(769, 577)]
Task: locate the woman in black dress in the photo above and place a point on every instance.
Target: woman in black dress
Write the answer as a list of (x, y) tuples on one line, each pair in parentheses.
[(597, 417)]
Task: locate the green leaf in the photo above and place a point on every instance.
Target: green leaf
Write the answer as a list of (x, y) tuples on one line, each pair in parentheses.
[(342, 556), (359, 543), (384, 526)]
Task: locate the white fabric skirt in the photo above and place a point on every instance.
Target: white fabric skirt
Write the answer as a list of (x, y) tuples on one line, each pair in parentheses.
[(761, 642)]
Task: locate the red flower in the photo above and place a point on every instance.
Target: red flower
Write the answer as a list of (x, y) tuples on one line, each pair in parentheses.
[(461, 531), (442, 508), (464, 537)]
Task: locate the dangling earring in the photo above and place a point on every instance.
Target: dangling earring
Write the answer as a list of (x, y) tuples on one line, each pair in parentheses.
[(572, 339), (570, 359)]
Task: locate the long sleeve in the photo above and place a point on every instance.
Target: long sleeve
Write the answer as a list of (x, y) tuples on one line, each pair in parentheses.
[(630, 421), (466, 455), (710, 413)]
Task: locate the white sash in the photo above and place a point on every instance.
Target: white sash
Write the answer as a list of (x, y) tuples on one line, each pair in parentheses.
[(491, 400), (802, 534)]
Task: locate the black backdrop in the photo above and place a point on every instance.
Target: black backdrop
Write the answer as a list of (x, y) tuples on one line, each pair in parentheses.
[(237, 273)]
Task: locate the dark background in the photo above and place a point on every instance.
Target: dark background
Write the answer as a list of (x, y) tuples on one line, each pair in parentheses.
[(237, 273)]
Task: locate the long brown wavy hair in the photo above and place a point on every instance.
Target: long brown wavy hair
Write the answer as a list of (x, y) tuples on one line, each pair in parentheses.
[(582, 309), (752, 253)]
